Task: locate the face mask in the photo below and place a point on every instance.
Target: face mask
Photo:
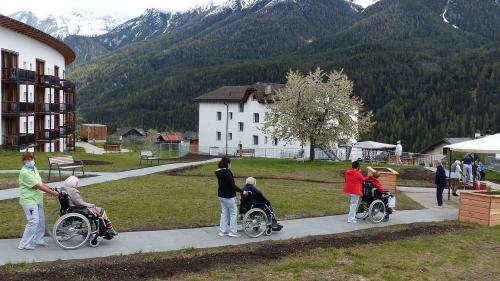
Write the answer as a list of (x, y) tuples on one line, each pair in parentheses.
[(30, 164)]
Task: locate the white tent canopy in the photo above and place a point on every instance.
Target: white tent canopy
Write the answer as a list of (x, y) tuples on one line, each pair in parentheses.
[(488, 144), (373, 145)]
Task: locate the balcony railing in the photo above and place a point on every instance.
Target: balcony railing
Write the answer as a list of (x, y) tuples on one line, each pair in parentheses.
[(48, 134), (18, 140), (9, 74), (15, 74), (67, 85), (49, 81), (26, 75), (66, 130), (16, 107), (67, 107), (47, 107)]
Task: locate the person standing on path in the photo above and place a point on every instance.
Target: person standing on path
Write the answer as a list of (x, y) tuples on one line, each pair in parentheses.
[(227, 197), (399, 153), (456, 174), (468, 167), (353, 181), (440, 182), (31, 199)]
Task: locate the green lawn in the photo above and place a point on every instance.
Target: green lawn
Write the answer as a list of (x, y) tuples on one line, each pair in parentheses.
[(161, 202), (11, 160)]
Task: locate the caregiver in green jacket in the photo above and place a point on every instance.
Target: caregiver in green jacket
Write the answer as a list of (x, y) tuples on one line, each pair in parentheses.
[(31, 199)]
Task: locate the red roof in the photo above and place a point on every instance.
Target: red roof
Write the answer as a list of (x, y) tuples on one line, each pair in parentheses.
[(171, 137)]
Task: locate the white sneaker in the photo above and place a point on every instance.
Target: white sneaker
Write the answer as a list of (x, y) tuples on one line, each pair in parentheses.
[(352, 221), (222, 234), (41, 244), (236, 235), (28, 247)]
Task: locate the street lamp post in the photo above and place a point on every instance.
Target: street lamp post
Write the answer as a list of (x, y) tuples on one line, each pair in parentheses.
[(227, 120)]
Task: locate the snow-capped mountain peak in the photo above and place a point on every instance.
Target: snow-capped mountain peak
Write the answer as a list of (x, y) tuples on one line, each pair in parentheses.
[(73, 24), (363, 3)]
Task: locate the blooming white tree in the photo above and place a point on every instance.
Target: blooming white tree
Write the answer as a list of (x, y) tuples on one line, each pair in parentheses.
[(318, 108)]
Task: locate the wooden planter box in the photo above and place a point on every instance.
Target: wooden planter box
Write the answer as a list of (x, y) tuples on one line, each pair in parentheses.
[(479, 207), (388, 177), (113, 147)]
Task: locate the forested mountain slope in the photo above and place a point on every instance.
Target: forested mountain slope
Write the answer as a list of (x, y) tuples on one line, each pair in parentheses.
[(423, 77)]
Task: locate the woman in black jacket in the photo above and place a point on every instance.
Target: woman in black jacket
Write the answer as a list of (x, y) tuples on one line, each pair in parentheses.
[(227, 197)]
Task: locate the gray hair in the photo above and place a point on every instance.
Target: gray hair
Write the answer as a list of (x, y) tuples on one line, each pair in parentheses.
[(251, 181)]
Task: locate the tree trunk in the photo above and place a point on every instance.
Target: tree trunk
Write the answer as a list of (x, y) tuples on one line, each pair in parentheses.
[(311, 150)]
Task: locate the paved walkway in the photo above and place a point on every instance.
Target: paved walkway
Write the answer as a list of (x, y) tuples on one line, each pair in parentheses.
[(92, 149), (206, 237), (106, 177)]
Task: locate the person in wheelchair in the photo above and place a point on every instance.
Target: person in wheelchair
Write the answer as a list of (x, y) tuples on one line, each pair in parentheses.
[(380, 193), (256, 197), (76, 200)]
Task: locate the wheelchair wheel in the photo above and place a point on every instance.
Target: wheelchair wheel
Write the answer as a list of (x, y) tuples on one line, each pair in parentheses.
[(362, 212), (269, 231), (377, 211), (71, 231), (94, 241), (255, 222), (50, 220)]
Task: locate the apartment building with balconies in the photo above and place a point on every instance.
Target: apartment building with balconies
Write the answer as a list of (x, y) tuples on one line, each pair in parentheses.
[(37, 101)]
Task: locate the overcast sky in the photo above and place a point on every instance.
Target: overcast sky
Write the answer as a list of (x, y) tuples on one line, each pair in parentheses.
[(122, 8)]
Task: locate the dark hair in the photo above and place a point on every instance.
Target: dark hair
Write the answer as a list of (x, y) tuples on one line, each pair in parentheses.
[(224, 162), (27, 155), (355, 164)]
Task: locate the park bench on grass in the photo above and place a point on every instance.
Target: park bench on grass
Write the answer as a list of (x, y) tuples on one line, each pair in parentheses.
[(245, 152), (65, 163), (149, 156)]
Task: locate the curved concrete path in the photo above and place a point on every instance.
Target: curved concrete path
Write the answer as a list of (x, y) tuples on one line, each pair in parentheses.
[(92, 149), (106, 177), (206, 237)]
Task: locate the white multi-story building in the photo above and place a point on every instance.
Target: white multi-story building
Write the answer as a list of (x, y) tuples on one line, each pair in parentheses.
[(231, 118), (38, 103)]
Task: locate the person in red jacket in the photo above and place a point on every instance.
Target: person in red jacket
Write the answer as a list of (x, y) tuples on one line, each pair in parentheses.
[(353, 187), (374, 179)]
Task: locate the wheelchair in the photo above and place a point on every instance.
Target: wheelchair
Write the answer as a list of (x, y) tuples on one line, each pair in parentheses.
[(374, 204), (72, 227), (256, 219)]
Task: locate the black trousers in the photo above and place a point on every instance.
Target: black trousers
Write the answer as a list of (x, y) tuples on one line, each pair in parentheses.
[(439, 194)]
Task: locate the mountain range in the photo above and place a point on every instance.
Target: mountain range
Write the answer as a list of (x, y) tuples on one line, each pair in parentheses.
[(426, 68)]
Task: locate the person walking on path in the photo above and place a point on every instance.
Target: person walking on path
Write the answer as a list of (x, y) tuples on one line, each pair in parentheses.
[(353, 181), (468, 167), (399, 153), (31, 200), (227, 197), (456, 174), (440, 182)]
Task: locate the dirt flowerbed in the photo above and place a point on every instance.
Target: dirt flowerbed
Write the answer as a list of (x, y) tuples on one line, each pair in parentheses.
[(140, 267)]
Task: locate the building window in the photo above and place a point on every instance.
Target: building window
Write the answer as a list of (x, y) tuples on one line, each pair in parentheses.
[(275, 141), (218, 135), (256, 118), (219, 115), (240, 126), (230, 137), (255, 140), (230, 116), (242, 107), (265, 140)]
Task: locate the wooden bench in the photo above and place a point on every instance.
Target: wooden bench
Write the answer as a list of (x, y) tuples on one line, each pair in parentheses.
[(65, 163), (149, 156), (245, 152)]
